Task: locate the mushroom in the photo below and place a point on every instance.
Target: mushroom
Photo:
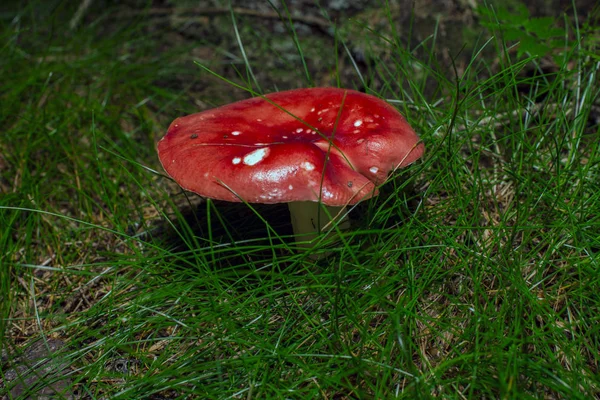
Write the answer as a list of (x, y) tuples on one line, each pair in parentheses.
[(317, 149)]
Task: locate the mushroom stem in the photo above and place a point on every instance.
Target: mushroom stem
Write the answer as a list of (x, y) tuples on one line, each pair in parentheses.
[(309, 218)]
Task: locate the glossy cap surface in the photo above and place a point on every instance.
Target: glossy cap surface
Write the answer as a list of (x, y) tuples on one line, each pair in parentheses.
[(327, 144)]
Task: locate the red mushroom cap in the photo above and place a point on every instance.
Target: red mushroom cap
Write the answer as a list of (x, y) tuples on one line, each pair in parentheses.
[(325, 144)]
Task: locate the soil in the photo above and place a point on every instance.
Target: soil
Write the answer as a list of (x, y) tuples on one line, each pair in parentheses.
[(206, 25)]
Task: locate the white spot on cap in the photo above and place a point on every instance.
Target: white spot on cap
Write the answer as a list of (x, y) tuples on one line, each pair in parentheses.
[(311, 110), (299, 130), (235, 133), (326, 193), (272, 195), (308, 166), (284, 137), (256, 156), (374, 170), (291, 187), (236, 160), (258, 120), (358, 122)]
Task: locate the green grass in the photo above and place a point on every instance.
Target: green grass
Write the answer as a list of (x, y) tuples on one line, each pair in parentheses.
[(475, 274)]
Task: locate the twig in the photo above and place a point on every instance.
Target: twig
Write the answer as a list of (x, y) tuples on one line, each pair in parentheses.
[(319, 22)]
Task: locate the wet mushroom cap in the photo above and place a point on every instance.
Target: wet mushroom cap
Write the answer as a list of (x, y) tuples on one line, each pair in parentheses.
[(327, 144)]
